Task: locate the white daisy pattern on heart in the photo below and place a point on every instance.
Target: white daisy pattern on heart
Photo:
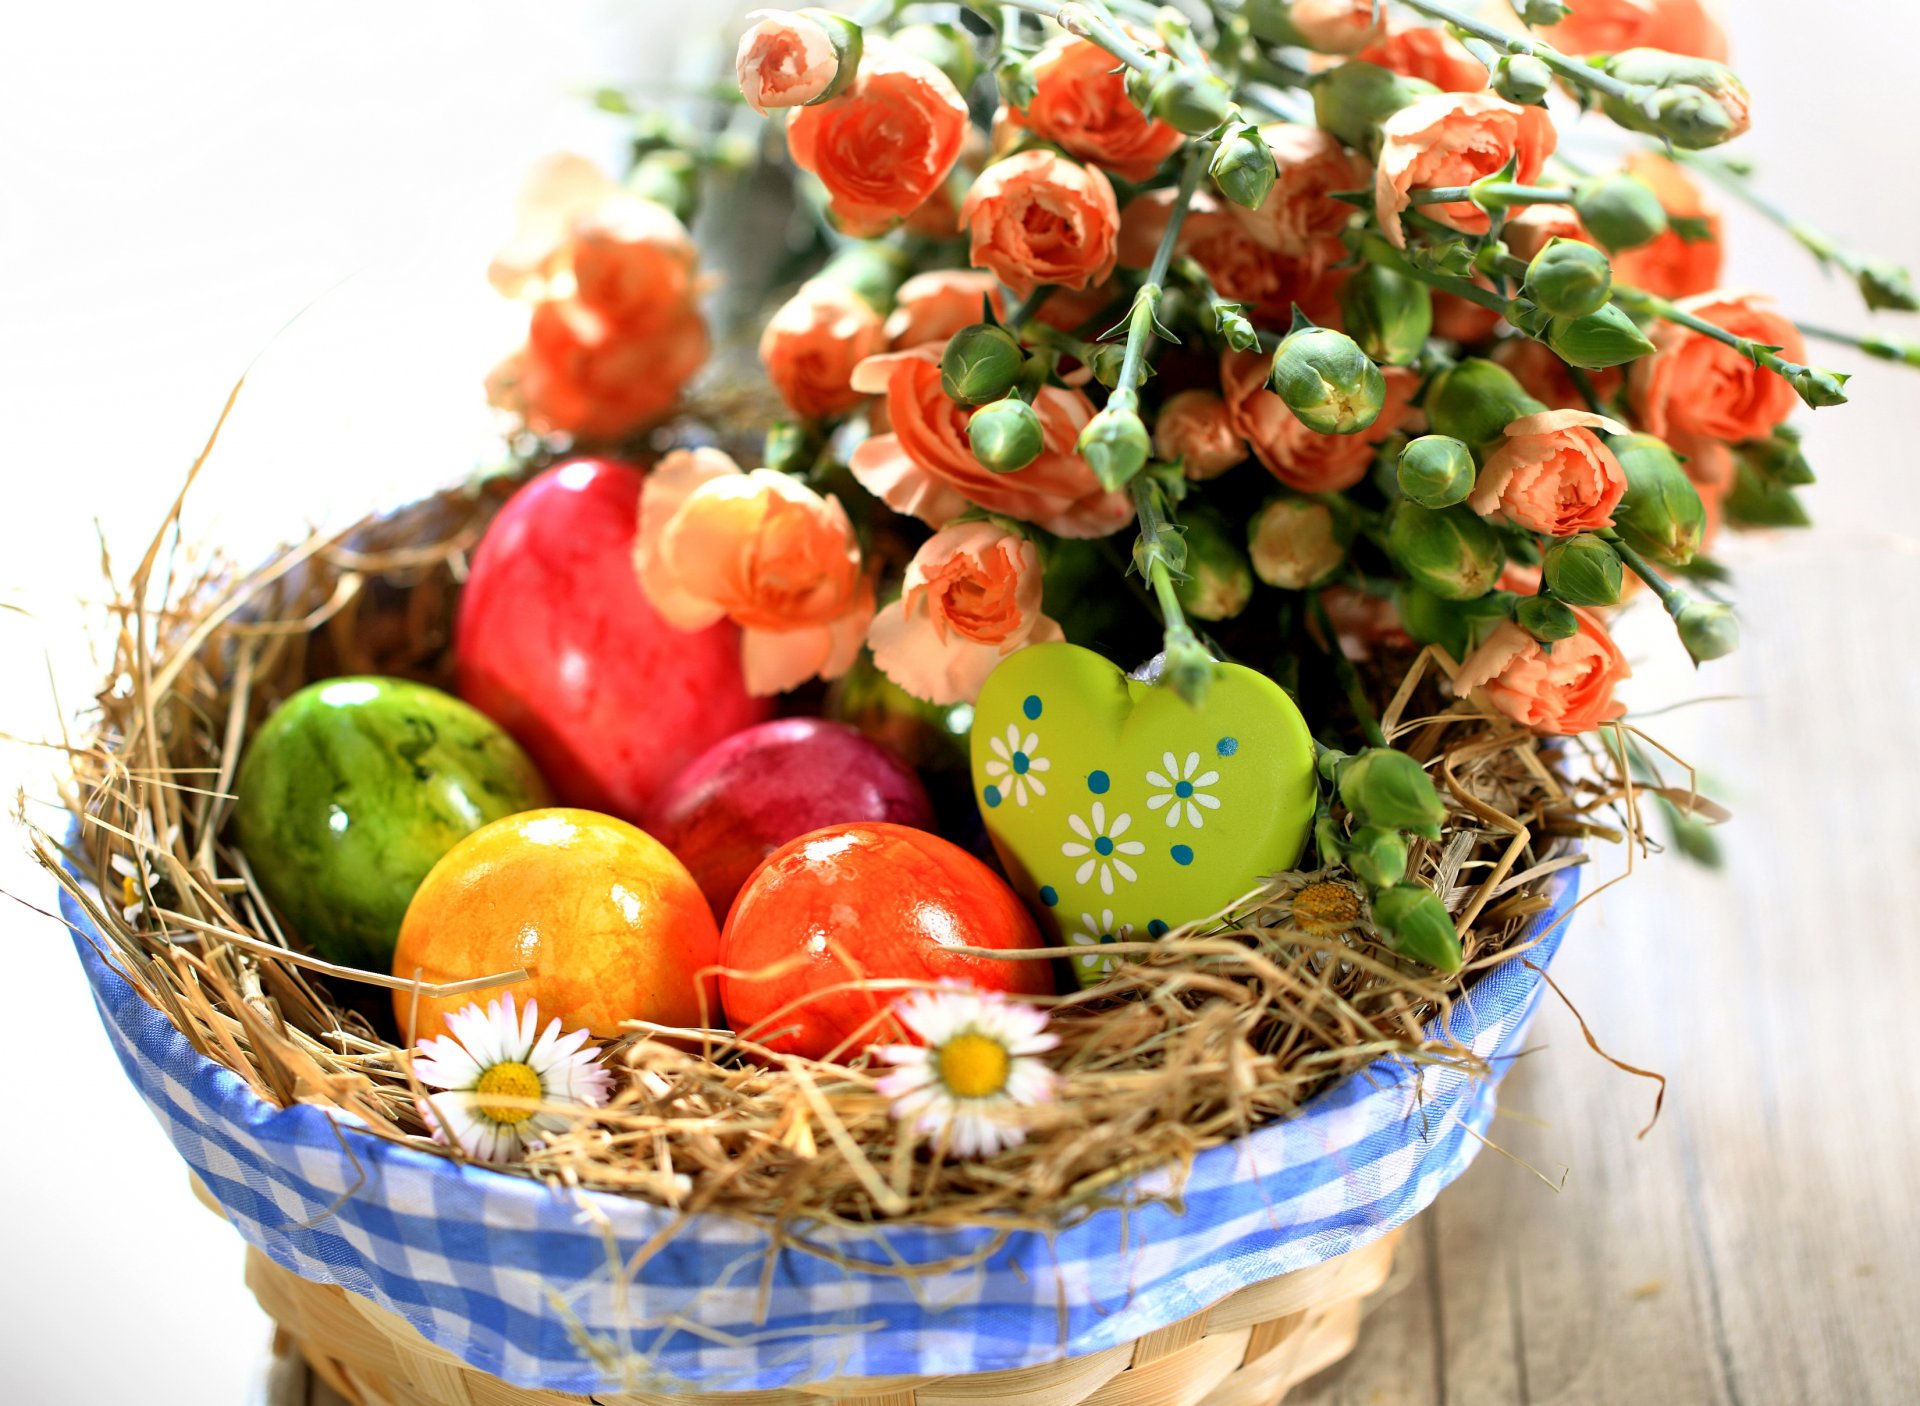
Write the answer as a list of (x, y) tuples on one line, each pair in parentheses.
[(1016, 768), (1098, 931), (1101, 847), (1182, 790)]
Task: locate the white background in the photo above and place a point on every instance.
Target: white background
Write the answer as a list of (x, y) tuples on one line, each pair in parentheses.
[(179, 181)]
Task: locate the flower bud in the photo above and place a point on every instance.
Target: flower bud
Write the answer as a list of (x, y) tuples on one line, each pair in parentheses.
[(1389, 314), (670, 179), (1778, 458), (1230, 321), (1456, 626), (1452, 552), (1695, 103), (1661, 515), (1331, 386), (1018, 87), (1522, 79), (1377, 856), (870, 268), (790, 447), (1569, 279), (1243, 167), (1620, 210), (1582, 570), (1351, 100), (1819, 388), (1475, 401), (787, 60), (1218, 582), (1115, 445), (1105, 359), (1541, 12), (1707, 629), (1296, 543), (1545, 618), (1415, 923), (1188, 99), (1599, 340), (946, 46), (1436, 471), (1385, 786), (1006, 435), (981, 363), (1886, 287)]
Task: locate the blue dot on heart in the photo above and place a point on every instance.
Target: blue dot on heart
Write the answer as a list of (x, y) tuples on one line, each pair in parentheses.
[(993, 796), (1031, 707), (1156, 928), (1048, 896), (1098, 782), (1103, 845), (1021, 761), (1182, 854), (1227, 746)]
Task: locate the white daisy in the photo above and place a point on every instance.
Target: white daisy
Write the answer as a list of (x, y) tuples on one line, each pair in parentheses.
[(492, 1054), (1098, 931), (1181, 791), (139, 880), (976, 1061), (1102, 848), (1017, 766)]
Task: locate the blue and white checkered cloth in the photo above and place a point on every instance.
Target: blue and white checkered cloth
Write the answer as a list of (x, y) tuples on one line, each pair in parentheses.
[(514, 1278)]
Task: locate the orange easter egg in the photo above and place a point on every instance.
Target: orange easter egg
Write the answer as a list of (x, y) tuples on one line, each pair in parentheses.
[(608, 924)]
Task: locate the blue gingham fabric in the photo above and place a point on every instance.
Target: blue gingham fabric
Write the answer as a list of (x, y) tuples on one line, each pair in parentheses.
[(515, 1278)]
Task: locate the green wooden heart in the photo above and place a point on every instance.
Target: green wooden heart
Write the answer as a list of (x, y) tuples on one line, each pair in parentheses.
[(1119, 810)]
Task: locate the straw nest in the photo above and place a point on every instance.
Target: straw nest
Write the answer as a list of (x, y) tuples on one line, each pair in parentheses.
[(1197, 1038)]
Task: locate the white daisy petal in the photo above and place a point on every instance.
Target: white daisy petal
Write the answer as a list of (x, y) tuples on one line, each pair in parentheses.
[(1081, 874)]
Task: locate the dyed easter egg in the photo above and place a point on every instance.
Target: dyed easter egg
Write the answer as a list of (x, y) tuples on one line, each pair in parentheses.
[(556, 642), (352, 791), (865, 901), (757, 789), (609, 925)]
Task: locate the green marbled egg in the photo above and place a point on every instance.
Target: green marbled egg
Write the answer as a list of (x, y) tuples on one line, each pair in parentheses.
[(352, 791)]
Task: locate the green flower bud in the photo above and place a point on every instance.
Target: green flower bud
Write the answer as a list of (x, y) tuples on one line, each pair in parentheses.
[(1545, 618), (1475, 401), (1296, 543), (1758, 498), (1583, 570), (1243, 167), (1385, 786), (1695, 103), (1599, 340), (1707, 629), (1886, 287), (947, 47), (1377, 856), (790, 447), (1006, 435), (1272, 22), (1818, 388), (1541, 12), (1662, 516), (1620, 210), (870, 268), (1218, 582), (1230, 321), (1389, 314), (1187, 99), (1351, 100), (981, 363), (1569, 279), (1105, 359), (1778, 459), (1452, 552), (1018, 87), (1522, 79), (1415, 923), (1331, 386), (1436, 471), (1456, 626), (1115, 445), (670, 179)]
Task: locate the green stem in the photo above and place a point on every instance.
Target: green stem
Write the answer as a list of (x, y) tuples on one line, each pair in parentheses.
[(1671, 596), (1574, 70), (1646, 304), (1091, 22), (1374, 249), (1501, 193), (1156, 530), (1029, 307), (1880, 348), (1146, 303), (1349, 676)]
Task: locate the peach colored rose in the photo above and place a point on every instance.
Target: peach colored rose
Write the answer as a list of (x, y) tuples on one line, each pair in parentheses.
[(1669, 265), (1453, 139), (812, 344), (763, 550), (1195, 428), (925, 467), (1608, 26), (1545, 377), (1037, 217), (1336, 26), (584, 374), (884, 145), (1294, 454), (1080, 104), (1428, 53), (1551, 473), (1566, 690), (1693, 387), (784, 60), (971, 598), (932, 306)]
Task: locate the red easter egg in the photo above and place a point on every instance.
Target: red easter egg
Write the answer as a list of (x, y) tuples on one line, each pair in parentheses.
[(752, 792), (557, 644), (865, 901)]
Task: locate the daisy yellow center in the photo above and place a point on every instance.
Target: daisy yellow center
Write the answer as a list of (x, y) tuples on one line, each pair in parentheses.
[(129, 889), (1326, 908), (513, 1079), (973, 1065)]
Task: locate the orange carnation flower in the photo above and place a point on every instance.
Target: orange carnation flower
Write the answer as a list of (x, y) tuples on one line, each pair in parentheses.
[(1196, 428), (784, 60), (1430, 54), (1551, 473), (814, 341), (1693, 387), (1080, 104), (1453, 139), (1670, 265), (1608, 26), (932, 306), (1545, 377), (1565, 690), (1037, 217), (1297, 456)]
